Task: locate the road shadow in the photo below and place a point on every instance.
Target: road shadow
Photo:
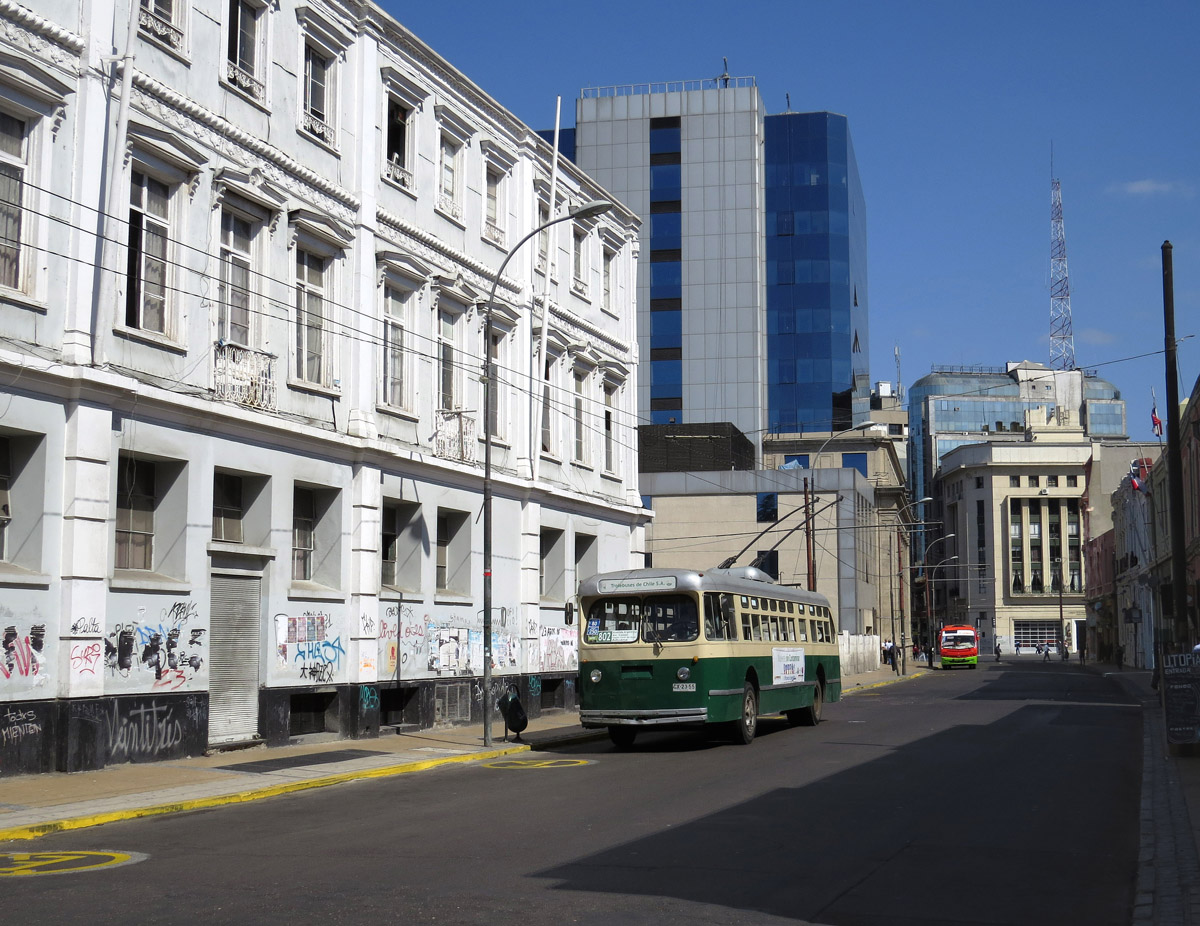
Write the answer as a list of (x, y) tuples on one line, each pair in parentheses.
[(993, 812)]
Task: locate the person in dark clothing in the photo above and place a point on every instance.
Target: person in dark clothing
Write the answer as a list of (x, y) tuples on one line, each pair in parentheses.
[(1119, 656)]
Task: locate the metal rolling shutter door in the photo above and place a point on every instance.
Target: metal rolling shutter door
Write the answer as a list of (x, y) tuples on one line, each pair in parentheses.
[(234, 657)]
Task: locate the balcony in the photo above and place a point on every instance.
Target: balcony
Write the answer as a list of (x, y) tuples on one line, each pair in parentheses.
[(455, 437), (317, 128), (395, 173), (244, 376), (246, 82), (162, 30), (493, 233)]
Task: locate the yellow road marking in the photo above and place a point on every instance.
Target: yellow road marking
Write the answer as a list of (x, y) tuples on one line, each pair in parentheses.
[(536, 763), (25, 864)]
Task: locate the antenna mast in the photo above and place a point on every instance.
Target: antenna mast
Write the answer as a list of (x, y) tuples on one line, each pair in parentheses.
[(1062, 340)]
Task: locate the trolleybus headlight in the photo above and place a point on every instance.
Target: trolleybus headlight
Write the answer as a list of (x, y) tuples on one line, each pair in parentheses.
[(683, 673), (595, 676)]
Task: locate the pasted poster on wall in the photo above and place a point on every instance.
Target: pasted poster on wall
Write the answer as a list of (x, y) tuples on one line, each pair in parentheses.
[(560, 649), (308, 646), (449, 650)]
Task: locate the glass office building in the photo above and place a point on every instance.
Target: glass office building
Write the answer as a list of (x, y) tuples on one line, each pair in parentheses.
[(816, 249), (953, 406)]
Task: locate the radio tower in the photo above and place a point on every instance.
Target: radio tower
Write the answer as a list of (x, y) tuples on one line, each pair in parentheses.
[(1062, 341)]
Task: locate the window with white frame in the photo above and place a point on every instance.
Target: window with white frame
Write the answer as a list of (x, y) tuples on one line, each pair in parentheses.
[(245, 67), (610, 444), (453, 553), (163, 20), (316, 536), (304, 529), (493, 226), (14, 145), (547, 410), (397, 320), (312, 323), (498, 393), (402, 546), (136, 500), (448, 360), (147, 275), (609, 260), (543, 257), (397, 153), (579, 414), (317, 118), (449, 170), (228, 509), (579, 256), (234, 315), (151, 516), (552, 564)]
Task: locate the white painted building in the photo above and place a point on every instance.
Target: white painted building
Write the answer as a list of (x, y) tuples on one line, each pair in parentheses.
[(242, 271)]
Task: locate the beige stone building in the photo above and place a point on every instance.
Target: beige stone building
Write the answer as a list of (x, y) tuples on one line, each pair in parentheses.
[(852, 545)]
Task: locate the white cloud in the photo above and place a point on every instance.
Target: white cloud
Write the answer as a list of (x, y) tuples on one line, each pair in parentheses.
[(1150, 187), (1096, 336)]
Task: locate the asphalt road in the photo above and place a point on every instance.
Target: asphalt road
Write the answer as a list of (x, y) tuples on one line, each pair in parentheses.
[(1004, 795)]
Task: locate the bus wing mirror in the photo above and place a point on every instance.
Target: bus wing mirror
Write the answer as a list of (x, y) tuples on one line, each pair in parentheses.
[(569, 613)]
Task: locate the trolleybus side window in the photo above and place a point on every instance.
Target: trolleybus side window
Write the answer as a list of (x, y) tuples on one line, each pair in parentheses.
[(716, 620)]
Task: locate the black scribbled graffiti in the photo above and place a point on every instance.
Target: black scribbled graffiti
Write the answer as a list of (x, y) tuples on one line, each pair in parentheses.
[(319, 672), (119, 657)]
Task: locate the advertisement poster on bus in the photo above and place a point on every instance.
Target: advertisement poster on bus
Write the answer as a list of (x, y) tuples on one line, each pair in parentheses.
[(787, 664)]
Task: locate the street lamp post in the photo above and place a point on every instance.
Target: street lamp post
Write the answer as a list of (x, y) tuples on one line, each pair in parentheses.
[(899, 562), (929, 584), (586, 211)]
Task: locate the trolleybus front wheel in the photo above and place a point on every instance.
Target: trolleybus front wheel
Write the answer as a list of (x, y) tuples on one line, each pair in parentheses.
[(747, 725), (622, 737)]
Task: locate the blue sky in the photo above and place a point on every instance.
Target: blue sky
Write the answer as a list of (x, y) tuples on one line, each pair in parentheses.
[(953, 107)]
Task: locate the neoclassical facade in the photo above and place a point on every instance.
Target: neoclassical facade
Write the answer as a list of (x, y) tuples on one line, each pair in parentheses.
[(244, 272)]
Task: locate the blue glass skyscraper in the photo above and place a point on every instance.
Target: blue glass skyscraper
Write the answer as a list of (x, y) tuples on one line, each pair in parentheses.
[(816, 275)]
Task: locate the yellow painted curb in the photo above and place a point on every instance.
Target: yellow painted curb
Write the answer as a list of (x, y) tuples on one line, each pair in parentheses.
[(77, 823), (890, 681)]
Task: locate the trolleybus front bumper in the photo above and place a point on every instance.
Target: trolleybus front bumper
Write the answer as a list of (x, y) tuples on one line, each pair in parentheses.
[(684, 715)]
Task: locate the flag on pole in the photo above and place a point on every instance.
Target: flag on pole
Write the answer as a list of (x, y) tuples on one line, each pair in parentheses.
[(1155, 421)]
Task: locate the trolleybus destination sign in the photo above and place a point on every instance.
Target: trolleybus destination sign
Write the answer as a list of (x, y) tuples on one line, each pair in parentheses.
[(638, 584)]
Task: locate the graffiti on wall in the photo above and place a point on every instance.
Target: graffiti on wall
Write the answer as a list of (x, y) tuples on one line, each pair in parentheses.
[(308, 644), (16, 724), (171, 647), (22, 655), (560, 649)]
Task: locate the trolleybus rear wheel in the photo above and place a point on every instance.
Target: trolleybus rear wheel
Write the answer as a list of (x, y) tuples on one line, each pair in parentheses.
[(622, 737), (809, 716)]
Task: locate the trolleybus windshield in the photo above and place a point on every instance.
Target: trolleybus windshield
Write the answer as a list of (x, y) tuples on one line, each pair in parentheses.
[(656, 618)]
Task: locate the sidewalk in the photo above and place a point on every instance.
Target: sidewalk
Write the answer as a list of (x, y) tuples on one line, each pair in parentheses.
[(35, 805)]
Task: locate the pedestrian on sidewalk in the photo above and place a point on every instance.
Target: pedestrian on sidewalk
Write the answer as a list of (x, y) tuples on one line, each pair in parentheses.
[(1119, 656), (1066, 651), (1046, 653), (929, 654), (1018, 647), (1082, 655), (997, 651)]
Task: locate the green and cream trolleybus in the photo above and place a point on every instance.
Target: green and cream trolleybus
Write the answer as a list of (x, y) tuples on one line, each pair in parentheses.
[(665, 648)]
